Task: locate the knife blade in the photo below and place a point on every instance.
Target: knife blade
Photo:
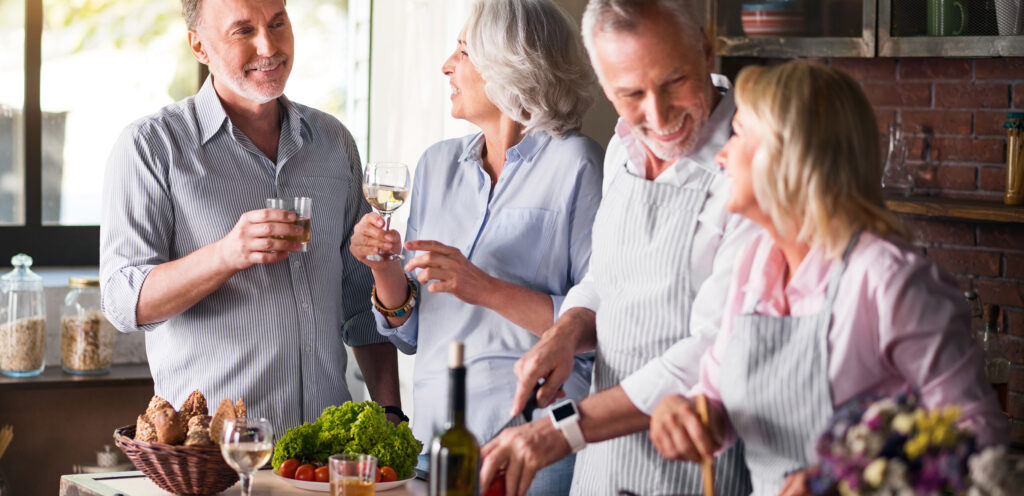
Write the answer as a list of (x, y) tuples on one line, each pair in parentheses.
[(524, 416)]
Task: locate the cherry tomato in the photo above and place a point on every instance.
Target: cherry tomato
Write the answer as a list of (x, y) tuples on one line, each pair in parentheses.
[(378, 475), (497, 487), (387, 474), (305, 472), (322, 474), (288, 468)]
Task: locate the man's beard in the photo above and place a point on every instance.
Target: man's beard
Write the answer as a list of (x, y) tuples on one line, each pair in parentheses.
[(251, 90), (672, 150)]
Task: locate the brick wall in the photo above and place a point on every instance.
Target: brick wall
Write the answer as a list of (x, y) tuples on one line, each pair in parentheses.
[(952, 110)]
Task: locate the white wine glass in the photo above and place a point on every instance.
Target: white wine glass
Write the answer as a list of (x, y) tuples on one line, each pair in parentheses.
[(386, 187), (247, 445)]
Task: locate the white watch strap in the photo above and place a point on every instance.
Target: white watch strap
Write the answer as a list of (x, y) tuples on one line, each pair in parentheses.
[(573, 434)]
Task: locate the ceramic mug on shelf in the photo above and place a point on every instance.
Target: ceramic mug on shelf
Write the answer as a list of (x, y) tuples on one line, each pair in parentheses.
[(946, 17)]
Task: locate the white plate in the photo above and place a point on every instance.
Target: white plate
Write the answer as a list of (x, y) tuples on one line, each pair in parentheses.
[(325, 487)]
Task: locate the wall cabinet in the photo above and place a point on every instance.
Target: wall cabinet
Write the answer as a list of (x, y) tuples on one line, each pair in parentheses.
[(866, 28)]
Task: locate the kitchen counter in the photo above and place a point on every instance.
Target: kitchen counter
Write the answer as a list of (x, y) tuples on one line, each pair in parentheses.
[(135, 484)]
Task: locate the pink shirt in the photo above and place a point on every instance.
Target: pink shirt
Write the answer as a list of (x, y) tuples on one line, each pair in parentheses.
[(898, 320)]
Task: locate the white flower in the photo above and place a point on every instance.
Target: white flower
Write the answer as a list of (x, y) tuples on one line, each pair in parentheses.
[(903, 423), (874, 473), (994, 473), (863, 441)]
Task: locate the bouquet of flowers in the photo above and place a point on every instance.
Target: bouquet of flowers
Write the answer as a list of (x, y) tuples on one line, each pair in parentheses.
[(891, 446)]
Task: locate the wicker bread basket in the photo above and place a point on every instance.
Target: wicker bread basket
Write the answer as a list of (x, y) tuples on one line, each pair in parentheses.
[(177, 469)]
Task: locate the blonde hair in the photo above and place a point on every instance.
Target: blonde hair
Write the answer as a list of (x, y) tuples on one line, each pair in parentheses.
[(817, 173), (530, 55)]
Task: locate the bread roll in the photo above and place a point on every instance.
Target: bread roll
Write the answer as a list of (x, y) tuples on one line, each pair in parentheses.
[(169, 427), (225, 411), (144, 430), (156, 403), (199, 431), (240, 408), (195, 405)]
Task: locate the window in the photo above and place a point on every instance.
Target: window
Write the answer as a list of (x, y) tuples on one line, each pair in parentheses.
[(76, 72)]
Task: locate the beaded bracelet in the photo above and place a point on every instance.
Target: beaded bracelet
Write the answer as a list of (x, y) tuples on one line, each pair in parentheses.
[(400, 311)]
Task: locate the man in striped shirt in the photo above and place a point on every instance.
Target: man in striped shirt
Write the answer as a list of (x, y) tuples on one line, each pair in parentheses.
[(189, 254)]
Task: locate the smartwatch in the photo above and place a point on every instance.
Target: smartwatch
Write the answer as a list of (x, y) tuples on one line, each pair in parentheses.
[(566, 417)]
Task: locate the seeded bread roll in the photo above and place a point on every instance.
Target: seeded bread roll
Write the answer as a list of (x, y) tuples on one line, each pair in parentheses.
[(225, 411), (195, 405), (156, 403), (240, 408), (199, 422), (144, 430), (169, 427), (199, 431)]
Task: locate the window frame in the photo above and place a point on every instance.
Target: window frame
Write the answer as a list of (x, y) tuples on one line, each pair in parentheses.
[(49, 245)]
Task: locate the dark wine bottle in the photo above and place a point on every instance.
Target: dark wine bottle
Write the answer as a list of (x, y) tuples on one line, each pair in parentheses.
[(454, 452)]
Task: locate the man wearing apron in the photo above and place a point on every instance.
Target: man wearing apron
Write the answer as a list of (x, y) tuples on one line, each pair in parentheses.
[(663, 246)]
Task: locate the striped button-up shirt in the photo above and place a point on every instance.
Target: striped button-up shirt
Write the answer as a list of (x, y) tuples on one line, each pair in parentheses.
[(272, 334)]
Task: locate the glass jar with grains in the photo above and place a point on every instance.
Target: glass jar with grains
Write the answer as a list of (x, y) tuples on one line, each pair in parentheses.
[(86, 337), (22, 320)]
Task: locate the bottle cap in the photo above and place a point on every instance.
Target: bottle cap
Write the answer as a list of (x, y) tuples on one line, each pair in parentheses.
[(991, 314), (455, 355)]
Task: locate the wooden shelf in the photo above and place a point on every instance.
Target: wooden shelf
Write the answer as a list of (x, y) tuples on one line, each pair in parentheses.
[(956, 209), (53, 377)]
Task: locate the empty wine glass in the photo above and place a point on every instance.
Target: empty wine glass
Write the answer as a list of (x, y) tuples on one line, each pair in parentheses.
[(247, 445), (386, 187)]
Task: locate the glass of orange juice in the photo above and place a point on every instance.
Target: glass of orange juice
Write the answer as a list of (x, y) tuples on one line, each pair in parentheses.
[(353, 475)]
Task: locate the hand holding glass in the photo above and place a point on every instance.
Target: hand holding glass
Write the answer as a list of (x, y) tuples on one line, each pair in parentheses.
[(302, 207), (385, 186), (247, 445), (353, 475)]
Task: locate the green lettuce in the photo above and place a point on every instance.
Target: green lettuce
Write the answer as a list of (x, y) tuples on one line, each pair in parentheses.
[(351, 428)]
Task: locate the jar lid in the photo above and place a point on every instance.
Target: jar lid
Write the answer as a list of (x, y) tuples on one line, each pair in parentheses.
[(22, 277), (84, 282), (1015, 115)]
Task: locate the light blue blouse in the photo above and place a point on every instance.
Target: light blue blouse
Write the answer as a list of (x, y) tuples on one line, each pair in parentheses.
[(532, 230)]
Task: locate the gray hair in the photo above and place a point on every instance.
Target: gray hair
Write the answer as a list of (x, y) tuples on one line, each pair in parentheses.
[(190, 11), (530, 56), (615, 16)]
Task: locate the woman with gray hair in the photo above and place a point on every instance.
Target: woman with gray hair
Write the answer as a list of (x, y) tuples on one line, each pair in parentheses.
[(499, 228)]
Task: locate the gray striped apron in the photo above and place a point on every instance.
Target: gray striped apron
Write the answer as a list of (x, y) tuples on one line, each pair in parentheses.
[(775, 386), (642, 239)]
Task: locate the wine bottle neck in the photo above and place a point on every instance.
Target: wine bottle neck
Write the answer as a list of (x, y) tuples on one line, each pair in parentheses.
[(457, 396)]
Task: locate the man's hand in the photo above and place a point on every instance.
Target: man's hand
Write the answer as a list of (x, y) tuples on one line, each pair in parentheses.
[(255, 239), (796, 485), (550, 359), (450, 271), (678, 434), (522, 451), (370, 238)]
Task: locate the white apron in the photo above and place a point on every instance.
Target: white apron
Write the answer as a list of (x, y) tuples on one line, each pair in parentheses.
[(775, 386), (642, 239)]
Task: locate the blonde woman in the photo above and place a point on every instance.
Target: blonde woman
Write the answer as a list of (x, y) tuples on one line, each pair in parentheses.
[(828, 302), (499, 228)]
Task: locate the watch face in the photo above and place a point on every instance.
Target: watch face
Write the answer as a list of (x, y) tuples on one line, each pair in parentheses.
[(564, 411)]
